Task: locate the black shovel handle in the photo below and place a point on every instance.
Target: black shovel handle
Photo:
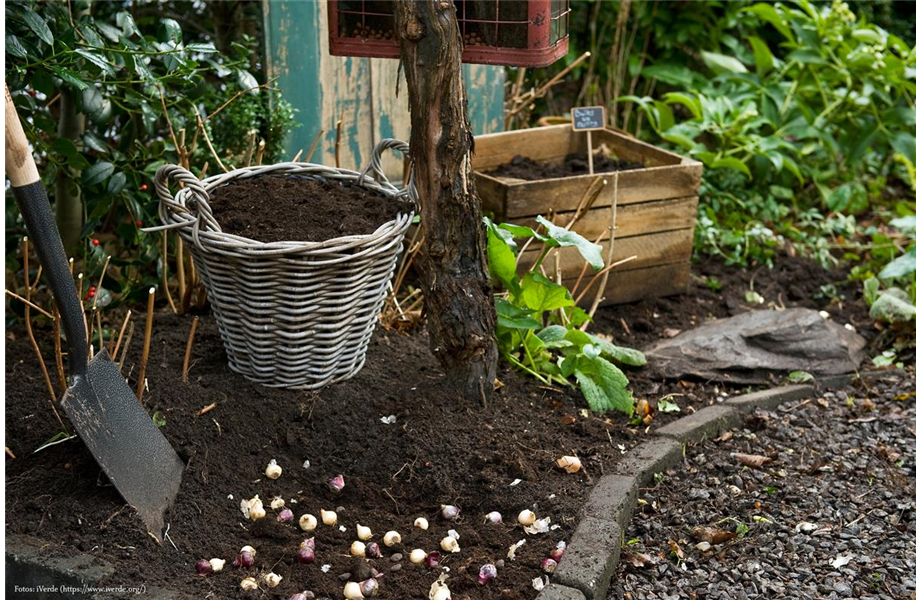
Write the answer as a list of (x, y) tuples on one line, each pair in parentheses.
[(33, 203)]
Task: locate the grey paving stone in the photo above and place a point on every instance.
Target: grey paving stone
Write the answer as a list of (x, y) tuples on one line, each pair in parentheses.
[(613, 498), (590, 558), (654, 455), (703, 424), (554, 591), (771, 398)]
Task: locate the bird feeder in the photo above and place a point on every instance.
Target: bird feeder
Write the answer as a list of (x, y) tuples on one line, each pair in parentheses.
[(518, 33)]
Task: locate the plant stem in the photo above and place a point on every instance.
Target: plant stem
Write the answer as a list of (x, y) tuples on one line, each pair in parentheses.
[(188, 349), (142, 374)]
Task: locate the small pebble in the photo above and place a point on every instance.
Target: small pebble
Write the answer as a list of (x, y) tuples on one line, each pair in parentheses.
[(395, 568), (344, 576), (500, 563), (396, 557)]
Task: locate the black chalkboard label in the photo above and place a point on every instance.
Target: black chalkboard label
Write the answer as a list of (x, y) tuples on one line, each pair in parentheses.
[(587, 118)]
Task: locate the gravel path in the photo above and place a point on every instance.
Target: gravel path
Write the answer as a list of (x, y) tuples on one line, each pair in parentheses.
[(830, 515)]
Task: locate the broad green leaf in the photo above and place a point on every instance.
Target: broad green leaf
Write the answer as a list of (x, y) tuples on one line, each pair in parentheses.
[(870, 290), (806, 56), (552, 333), (169, 31), (36, 24), (591, 351), (902, 266), (867, 36), (577, 316), (127, 24), (729, 162), (202, 48), (520, 231), (69, 77), (769, 14), (90, 34), (96, 60), (893, 306), (626, 356), (665, 116), (247, 81), (763, 58), (680, 140), (98, 173), (721, 63), (501, 260), (541, 294), (112, 33), (793, 168), (670, 73), (117, 183), (140, 67), (597, 399), (906, 144), (906, 224), (14, 47), (691, 103), (591, 252), (514, 317)]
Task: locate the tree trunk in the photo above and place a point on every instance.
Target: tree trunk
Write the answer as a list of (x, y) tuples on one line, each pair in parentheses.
[(458, 294)]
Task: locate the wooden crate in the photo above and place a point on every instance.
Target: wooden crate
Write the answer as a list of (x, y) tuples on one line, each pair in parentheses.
[(656, 205)]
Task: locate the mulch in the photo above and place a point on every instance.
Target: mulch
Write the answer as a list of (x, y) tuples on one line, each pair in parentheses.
[(831, 514)]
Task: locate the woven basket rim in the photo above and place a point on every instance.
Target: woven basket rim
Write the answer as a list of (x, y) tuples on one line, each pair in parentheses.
[(390, 227)]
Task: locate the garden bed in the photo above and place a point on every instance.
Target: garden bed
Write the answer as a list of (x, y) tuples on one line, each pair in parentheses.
[(440, 450)]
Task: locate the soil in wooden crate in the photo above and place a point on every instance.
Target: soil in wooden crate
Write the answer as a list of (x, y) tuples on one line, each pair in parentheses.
[(528, 169), (281, 209)]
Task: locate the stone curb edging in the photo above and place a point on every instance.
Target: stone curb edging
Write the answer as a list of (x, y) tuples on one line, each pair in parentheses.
[(592, 554)]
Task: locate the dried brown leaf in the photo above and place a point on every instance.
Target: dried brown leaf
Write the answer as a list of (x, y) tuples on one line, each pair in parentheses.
[(675, 549), (639, 559), (713, 535), (751, 460)]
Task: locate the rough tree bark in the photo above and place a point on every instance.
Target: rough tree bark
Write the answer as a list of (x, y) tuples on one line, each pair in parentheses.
[(458, 295)]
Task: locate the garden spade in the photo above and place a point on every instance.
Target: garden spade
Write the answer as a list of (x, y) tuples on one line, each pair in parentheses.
[(105, 412)]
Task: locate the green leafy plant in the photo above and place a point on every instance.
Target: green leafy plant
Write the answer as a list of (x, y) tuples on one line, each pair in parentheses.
[(539, 325), (104, 90)]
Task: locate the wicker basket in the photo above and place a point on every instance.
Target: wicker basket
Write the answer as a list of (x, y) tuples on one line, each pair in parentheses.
[(290, 314)]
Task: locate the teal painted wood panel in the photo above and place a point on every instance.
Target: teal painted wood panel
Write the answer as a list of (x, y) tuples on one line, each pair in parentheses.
[(323, 88)]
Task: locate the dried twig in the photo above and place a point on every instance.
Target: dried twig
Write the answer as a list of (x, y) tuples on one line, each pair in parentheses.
[(10, 453), (148, 328), (188, 349), (113, 350), (313, 145), (124, 351), (240, 93), (260, 152), (297, 156), (338, 140), (180, 272), (29, 303), (58, 355), (206, 409), (247, 158), (105, 267), (31, 334), (613, 234), (207, 140), (165, 270)]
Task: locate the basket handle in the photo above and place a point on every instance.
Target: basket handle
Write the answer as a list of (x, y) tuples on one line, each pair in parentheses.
[(376, 170), (198, 206)]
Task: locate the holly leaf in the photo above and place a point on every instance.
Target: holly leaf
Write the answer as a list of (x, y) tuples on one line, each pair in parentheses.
[(37, 24)]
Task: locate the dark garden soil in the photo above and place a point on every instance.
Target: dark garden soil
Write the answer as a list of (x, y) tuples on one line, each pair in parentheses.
[(528, 169), (832, 514), (281, 209), (440, 450)]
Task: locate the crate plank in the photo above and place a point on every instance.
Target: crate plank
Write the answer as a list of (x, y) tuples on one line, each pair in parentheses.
[(632, 219), (650, 250), (640, 185), (632, 285), (539, 144)]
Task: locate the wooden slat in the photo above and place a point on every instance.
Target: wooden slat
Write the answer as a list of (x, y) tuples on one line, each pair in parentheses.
[(637, 284), (650, 250), (540, 144), (632, 219), (641, 185)]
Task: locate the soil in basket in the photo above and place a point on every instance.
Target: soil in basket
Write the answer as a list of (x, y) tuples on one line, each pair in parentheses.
[(281, 209), (528, 169)]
